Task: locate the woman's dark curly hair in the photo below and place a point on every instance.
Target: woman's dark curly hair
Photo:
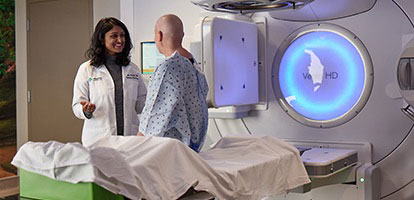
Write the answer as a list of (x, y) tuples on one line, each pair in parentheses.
[(96, 51)]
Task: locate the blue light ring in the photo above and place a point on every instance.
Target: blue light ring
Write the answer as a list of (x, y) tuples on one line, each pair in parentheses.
[(293, 57), (292, 62), (366, 89), (342, 99)]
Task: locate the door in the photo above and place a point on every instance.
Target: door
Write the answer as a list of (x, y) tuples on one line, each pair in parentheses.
[(59, 32)]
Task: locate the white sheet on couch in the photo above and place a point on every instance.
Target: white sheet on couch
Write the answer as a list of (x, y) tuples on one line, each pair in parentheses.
[(163, 168)]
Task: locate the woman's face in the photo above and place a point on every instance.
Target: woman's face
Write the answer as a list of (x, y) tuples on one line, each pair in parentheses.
[(115, 40)]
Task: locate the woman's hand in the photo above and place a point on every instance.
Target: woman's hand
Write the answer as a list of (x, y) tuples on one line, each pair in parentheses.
[(87, 106)]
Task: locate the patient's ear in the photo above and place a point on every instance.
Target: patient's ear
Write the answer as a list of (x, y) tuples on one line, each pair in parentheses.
[(160, 36)]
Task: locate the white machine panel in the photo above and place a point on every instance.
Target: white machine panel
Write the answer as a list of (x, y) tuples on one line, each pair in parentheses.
[(231, 81), (325, 156), (324, 162), (325, 10)]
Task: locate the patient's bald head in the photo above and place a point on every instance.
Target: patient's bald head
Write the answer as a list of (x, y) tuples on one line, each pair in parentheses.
[(171, 26), (169, 32)]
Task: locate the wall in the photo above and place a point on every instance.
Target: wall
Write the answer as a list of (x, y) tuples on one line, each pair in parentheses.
[(146, 14), (21, 72), (105, 8)]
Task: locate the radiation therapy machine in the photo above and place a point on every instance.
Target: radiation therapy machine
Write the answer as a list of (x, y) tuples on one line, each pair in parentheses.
[(333, 76), (331, 79)]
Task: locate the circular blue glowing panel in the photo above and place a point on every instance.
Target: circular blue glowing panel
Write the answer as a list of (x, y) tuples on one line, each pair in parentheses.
[(321, 75)]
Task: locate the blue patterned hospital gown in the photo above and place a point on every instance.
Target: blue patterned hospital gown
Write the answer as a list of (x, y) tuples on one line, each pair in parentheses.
[(176, 104)]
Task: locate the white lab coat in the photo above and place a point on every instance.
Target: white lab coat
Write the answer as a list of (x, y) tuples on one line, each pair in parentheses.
[(95, 84)]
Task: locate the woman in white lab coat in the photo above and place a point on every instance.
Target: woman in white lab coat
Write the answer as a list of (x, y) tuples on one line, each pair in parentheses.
[(109, 91)]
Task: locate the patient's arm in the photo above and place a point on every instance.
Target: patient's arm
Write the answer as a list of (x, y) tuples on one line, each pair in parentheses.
[(140, 134)]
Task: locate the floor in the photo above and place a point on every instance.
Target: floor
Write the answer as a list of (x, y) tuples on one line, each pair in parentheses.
[(7, 153), (14, 197)]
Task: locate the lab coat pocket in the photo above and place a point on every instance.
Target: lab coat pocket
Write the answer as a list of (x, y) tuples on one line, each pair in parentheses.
[(101, 87), (131, 86)]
